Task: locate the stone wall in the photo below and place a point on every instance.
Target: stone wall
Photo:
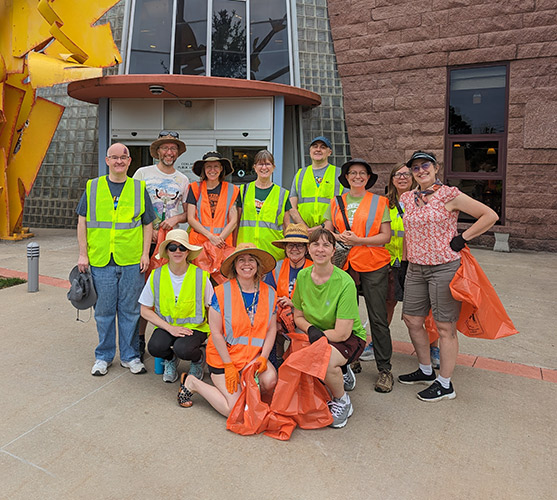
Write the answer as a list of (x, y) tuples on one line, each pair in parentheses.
[(393, 56)]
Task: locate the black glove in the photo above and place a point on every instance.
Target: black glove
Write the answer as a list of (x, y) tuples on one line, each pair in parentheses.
[(458, 243), (314, 334)]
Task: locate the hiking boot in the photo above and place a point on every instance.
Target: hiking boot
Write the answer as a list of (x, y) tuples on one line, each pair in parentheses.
[(417, 377), (349, 379), (170, 374), (100, 368), (384, 381), (368, 354), (197, 369), (436, 392), (135, 366), (435, 359), (340, 410)]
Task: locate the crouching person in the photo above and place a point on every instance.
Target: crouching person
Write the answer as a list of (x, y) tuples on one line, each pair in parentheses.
[(242, 318), (175, 300)]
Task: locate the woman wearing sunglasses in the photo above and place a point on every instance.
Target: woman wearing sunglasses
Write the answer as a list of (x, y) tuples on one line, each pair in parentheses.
[(432, 247), (175, 300)]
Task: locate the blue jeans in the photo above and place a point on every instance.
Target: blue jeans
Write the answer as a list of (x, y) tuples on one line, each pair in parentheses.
[(118, 289)]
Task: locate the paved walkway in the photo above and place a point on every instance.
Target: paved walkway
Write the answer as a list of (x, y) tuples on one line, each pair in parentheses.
[(66, 434)]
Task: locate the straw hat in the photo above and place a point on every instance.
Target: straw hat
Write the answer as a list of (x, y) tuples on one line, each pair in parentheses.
[(213, 156), (294, 233), (180, 236), (344, 170), (165, 137), (268, 262)]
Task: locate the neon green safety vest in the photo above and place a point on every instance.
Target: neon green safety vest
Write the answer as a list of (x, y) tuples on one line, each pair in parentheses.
[(190, 310), (312, 200), (114, 231), (397, 237), (266, 226)]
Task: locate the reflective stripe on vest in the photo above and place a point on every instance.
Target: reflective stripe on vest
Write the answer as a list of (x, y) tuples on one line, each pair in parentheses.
[(229, 195), (261, 223), (312, 208), (397, 235)]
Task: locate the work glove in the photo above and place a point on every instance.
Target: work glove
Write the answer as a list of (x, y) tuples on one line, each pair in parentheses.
[(458, 243), (314, 334), (261, 363), (232, 377)]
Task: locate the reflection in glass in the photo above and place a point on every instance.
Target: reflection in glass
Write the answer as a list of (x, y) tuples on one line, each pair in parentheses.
[(228, 56), (190, 50), (189, 115), (269, 41), (488, 191), (242, 160), (475, 156), (477, 100), (152, 28)]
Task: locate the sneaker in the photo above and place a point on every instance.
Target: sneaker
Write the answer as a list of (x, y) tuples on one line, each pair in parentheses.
[(197, 369), (135, 366), (417, 377), (349, 379), (436, 392), (170, 373), (184, 394), (435, 360), (100, 368), (368, 354), (340, 411), (384, 381)]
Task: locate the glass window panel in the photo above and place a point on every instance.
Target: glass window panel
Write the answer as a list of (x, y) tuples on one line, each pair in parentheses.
[(488, 191), (228, 56), (242, 158), (190, 49), (481, 156), (269, 41), (189, 115), (477, 100), (152, 29)]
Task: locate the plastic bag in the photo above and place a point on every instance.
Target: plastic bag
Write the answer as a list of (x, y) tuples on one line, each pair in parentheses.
[(155, 262), (211, 258)]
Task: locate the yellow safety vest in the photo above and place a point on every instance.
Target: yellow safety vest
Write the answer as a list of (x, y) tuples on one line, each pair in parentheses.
[(114, 231), (266, 226), (312, 200), (190, 310), (397, 237)]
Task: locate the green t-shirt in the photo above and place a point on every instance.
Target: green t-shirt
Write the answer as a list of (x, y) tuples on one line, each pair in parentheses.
[(261, 195), (323, 304), (352, 203)]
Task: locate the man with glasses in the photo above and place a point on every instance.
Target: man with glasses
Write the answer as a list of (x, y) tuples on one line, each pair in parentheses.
[(114, 233)]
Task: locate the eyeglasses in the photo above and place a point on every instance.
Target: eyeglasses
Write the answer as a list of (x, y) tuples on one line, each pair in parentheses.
[(299, 246), (170, 133), (266, 164), (401, 175), (353, 173), (116, 158), (169, 148), (173, 247), (423, 166)]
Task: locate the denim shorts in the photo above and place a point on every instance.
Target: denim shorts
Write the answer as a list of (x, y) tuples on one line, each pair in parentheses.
[(427, 287)]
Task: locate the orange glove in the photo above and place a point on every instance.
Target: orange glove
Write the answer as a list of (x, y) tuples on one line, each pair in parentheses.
[(261, 364), (232, 377)]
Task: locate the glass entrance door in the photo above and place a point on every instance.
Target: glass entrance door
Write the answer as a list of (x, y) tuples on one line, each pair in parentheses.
[(242, 160)]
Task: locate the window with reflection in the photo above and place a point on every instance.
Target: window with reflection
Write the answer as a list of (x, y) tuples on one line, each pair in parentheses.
[(228, 37), (190, 48)]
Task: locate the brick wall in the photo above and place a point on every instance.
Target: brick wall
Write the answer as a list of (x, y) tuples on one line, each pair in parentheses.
[(393, 56)]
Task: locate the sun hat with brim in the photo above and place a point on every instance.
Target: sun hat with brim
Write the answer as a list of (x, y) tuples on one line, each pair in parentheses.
[(179, 236), (164, 138), (344, 170), (213, 156), (421, 155), (294, 233), (82, 292), (268, 262)]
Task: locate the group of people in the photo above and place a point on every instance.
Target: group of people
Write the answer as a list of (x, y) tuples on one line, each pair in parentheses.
[(275, 249)]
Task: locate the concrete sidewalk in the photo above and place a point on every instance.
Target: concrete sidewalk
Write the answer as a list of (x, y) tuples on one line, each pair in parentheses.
[(66, 434)]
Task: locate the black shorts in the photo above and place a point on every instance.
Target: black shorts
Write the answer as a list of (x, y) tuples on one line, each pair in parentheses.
[(351, 348), (215, 371)]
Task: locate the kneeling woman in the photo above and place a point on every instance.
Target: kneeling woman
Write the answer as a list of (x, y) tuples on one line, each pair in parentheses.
[(242, 318), (180, 293), (326, 304)]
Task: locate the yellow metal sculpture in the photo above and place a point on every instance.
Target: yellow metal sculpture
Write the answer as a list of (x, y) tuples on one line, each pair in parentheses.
[(42, 43)]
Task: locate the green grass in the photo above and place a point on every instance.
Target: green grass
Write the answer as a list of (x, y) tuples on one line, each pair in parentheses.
[(6, 282)]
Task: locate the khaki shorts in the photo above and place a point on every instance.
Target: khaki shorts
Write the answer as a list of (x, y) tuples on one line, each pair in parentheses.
[(427, 287)]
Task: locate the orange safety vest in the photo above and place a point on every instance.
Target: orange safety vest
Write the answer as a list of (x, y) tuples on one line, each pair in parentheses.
[(215, 225), (282, 277), (244, 340), (366, 223)]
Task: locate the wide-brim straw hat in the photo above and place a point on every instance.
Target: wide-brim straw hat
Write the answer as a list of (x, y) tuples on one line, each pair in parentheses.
[(179, 236), (268, 262), (165, 139), (344, 170), (294, 233), (213, 156)]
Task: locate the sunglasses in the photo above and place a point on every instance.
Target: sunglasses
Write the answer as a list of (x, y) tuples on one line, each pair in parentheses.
[(173, 247), (423, 166), (170, 133)]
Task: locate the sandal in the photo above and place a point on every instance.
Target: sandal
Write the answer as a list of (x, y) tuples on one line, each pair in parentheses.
[(184, 394)]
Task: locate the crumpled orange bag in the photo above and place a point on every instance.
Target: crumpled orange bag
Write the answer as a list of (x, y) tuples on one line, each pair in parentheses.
[(211, 258), (155, 262)]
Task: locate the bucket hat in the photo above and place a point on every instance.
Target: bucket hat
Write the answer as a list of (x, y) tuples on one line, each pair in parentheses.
[(82, 293), (165, 137), (344, 170), (213, 156)]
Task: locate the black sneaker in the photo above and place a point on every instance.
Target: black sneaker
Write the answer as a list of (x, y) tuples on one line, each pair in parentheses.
[(417, 377), (436, 392)]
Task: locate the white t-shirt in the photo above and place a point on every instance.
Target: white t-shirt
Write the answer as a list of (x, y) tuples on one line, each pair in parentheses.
[(167, 191), (147, 298)]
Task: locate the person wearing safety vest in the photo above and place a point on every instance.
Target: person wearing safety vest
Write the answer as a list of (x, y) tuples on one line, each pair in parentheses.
[(114, 234), (242, 319), (314, 186), (265, 207), (175, 300), (367, 231), (212, 210)]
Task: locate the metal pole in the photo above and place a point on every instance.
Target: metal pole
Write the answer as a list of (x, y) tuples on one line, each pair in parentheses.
[(33, 251)]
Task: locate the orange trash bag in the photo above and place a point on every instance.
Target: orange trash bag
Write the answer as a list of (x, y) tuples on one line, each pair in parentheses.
[(155, 262), (211, 258)]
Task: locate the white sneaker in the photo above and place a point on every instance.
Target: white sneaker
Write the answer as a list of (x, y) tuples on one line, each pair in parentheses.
[(170, 374), (341, 411), (135, 366), (100, 368)]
